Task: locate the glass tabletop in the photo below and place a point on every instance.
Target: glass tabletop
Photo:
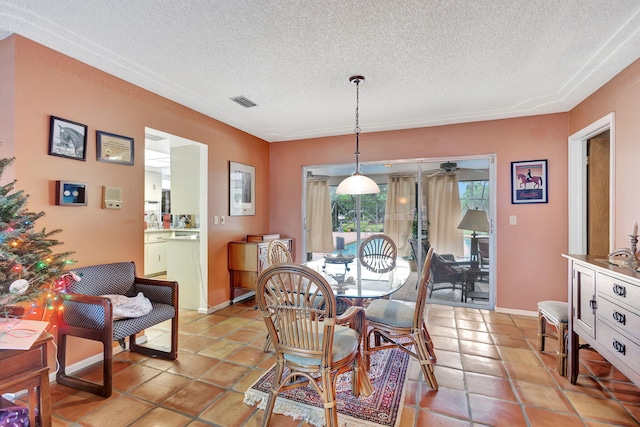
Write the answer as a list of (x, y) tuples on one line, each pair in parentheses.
[(349, 279)]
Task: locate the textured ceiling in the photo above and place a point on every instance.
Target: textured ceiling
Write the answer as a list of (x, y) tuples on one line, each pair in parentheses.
[(426, 62)]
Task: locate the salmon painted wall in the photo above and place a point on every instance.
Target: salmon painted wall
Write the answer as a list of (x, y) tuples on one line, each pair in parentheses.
[(49, 83), (7, 78), (621, 95), (530, 267)]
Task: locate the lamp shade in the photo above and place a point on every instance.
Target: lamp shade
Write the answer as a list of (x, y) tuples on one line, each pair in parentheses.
[(475, 220), (358, 184)]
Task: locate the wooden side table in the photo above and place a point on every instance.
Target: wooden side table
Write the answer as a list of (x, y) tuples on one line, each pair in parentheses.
[(28, 369)]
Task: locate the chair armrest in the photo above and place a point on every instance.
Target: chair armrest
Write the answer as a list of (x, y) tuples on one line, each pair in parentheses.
[(76, 313), (160, 291), (355, 317)]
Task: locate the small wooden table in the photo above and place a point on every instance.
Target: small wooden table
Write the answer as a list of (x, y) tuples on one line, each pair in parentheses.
[(471, 275), (28, 369)]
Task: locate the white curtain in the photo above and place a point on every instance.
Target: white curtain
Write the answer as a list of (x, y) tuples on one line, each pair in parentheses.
[(400, 211), (444, 214), (318, 224)]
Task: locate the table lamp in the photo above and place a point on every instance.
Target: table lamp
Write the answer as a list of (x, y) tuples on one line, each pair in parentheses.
[(474, 220)]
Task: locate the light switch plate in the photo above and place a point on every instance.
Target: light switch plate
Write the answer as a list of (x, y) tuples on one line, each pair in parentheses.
[(512, 220), (222, 219)]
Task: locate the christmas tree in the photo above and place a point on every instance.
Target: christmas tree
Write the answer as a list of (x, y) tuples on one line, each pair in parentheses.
[(29, 270)]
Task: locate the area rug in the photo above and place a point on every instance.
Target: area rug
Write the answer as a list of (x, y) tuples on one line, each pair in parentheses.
[(388, 375)]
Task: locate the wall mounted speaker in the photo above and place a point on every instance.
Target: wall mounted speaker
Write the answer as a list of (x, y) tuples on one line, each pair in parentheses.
[(111, 197)]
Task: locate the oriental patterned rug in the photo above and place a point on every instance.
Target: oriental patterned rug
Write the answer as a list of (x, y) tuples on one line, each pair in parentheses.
[(388, 375)]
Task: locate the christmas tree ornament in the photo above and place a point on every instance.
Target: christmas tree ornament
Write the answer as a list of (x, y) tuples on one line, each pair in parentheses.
[(20, 286)]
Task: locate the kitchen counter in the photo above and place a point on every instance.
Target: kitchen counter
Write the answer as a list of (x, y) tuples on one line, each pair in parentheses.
[(194, 236)]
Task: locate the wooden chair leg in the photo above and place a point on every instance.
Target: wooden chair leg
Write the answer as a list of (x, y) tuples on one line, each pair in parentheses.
[(562, 350), (429, 343), (425, 361), (542, 330)]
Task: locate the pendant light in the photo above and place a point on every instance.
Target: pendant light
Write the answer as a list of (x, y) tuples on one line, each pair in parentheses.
[(357, 183)]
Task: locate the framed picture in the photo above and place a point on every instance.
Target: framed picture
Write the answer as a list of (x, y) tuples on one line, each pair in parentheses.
[(114, 148), (242, 189), (529, 182), (67, 139), (71, 193)]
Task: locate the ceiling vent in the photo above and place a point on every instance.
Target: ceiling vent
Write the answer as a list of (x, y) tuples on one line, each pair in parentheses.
[(245, 102)]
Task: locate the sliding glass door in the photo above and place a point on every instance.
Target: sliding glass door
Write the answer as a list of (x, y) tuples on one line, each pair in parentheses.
[(447, 205)]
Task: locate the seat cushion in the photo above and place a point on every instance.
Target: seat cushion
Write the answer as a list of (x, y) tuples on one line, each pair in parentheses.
[(345, 342), (390, 313), (555, 311), (159, 313)]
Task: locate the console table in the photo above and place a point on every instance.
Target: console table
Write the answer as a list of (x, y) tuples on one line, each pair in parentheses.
[(246, 262), (604, 311), (28, 369)]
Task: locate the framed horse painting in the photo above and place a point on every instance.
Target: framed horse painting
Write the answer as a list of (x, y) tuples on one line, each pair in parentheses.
[(67, 139), (529, 182)]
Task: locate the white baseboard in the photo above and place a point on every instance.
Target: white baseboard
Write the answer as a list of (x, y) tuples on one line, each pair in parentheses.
[(517, 312)]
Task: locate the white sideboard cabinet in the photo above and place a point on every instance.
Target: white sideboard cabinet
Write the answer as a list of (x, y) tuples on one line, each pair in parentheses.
[(604, 312)]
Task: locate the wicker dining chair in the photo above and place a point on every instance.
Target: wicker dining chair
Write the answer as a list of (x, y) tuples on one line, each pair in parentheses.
[(378, 253), (402, 326), (277, 253), (311, 343)]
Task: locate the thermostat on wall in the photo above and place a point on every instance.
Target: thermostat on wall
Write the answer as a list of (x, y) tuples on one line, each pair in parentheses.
[(112, 197)]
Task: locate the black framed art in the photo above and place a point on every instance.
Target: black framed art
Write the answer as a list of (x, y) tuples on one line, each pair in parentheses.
[(67, 139)]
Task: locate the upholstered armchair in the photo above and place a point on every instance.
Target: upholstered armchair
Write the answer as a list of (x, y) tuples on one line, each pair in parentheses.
[(446, 272)]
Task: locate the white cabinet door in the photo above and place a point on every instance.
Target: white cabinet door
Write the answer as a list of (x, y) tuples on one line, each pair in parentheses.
[(153, 186), (157, 258), (155, 252)]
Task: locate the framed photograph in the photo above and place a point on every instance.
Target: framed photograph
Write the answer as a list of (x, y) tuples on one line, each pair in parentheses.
[(114, 148), (529, 182), (67, 139), (71, 193), (242, 189)]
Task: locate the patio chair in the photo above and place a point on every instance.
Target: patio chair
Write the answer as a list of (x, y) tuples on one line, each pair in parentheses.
[(448, 272), (312, 345)]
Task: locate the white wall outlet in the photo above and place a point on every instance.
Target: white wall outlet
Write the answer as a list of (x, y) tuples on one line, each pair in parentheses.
[(513, 220), (215, 219), (222, 219)]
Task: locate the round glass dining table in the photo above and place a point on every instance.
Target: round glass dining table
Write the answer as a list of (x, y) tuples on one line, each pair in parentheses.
[(350, 279)]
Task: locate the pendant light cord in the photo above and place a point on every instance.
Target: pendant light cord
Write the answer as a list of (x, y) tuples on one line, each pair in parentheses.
[(357, 129)]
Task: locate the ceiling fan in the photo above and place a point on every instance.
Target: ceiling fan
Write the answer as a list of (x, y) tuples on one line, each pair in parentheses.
[(464, 174)]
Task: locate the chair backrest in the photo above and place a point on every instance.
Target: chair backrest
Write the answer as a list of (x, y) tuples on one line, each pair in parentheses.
[(299, 309), (378, 253), (445, 267), (116, 278), (421, 299), (278, 253)]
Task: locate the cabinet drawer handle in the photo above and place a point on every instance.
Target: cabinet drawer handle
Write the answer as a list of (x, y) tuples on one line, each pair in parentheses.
[(618, 346), (620, 290), (619, 317)]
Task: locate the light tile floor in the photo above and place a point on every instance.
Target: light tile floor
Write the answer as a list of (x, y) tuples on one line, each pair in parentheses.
[(489, 371)]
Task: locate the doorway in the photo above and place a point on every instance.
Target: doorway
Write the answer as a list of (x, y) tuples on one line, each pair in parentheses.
[(416, 225), (176, 240), (579, 189)]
